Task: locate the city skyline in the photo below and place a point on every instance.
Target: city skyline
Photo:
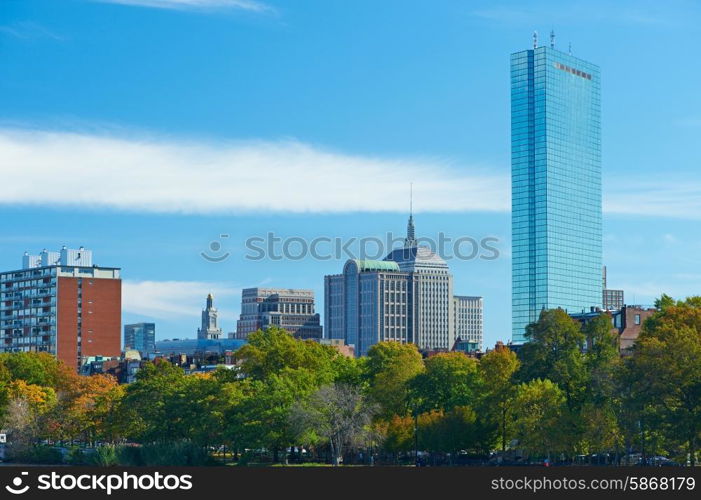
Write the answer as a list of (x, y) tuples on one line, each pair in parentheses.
[(417, 104)]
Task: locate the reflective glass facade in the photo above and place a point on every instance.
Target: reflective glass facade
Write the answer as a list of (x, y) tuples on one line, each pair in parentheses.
[(555, 184)]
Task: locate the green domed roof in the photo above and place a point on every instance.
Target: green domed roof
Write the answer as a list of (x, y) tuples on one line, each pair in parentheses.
[(376, 265)]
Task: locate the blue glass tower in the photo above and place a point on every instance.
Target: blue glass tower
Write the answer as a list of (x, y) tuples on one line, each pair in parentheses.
[(555, 185)]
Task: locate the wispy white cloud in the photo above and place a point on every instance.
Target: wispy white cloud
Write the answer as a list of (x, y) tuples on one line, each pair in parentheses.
[(678, 198), (173, 300), (172, 176), (28, 30), (249, 5), (149, 174)]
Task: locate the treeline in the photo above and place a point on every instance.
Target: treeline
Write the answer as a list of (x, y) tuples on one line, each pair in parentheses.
[(568, 393)]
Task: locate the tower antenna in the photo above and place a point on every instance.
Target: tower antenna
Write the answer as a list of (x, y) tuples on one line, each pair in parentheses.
[(535, 39), (552, 39), (410, 240), (570, 49)]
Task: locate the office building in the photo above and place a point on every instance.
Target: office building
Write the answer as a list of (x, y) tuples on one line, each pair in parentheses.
[(469, 325), (210, 328), (140, 337), (613, 300), (286, 308), (60, 303), (369, 303), (408, 297), (556, 184), (430, 292)]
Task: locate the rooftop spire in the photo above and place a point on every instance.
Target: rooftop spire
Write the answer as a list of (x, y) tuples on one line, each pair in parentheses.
[(410, 240)]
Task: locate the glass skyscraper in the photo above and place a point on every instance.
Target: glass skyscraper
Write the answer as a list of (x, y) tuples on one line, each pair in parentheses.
[(555, 185)]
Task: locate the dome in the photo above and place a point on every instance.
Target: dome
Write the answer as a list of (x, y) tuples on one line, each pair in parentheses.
[(417, 259)]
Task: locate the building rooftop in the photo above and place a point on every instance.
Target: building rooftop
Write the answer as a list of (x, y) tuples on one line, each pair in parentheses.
[(376, 265), (416, 258)]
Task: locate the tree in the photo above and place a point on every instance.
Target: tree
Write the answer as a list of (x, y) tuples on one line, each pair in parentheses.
[(389, 369), (599, 415), (150, 410), (602, 359), (664, 302), (273, 350), (498, 368), (450, 432), (337, 413), (262, 417), (555, 351), (449, 380), (398, 434), (40, 369), (666, 368), (538, 411), (89, 413)]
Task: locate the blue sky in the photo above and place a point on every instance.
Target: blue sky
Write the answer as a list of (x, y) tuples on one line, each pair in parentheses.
[(144, 129)]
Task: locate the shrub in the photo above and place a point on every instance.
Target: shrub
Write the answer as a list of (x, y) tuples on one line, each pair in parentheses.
[(104, 456), (77, 457), (182, 453), (130, 456), (40, 454)]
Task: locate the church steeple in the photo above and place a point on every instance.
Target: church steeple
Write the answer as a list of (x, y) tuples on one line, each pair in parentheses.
[(410, 240)]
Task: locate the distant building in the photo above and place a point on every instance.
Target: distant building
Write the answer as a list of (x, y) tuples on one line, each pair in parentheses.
[(340, 346), (469, 323), (209, 329), (192, 347), (612, 300), (368, 303), (626, 323), (466, 346), (140, 337), (63, 304), (287, 308), (407, 297)]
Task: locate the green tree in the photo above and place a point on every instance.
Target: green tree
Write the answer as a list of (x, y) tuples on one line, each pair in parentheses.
[(555, 351), (664, 302), (262, 417), (450, 379), (498, 368), (274, 350), (151, 410), (666, 368), (538, 412), (601, 409), (389, 370)]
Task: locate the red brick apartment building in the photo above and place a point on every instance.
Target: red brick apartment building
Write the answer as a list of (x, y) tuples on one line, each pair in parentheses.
[(60, 303)]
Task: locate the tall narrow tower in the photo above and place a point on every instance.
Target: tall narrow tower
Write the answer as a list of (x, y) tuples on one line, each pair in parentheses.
[(410, 240), (209, 329), (555, 184)]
